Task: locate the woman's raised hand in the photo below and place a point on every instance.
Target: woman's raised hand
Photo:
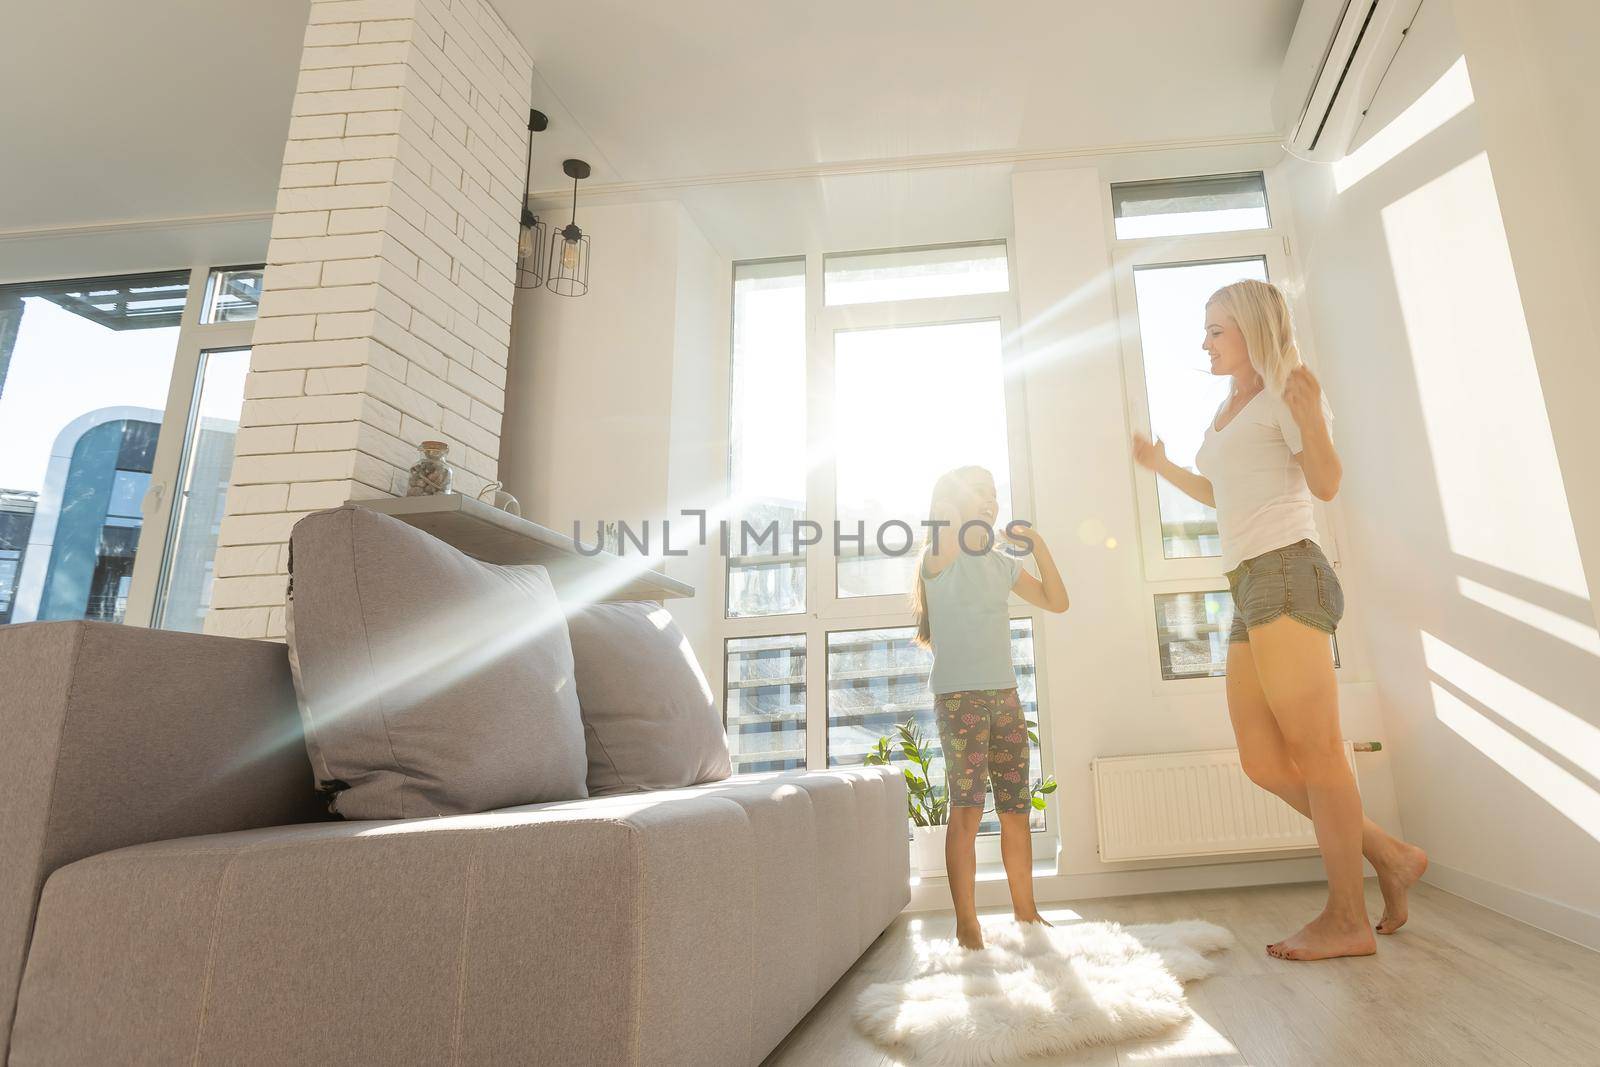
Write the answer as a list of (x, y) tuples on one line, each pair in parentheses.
[(1147, 453), (1303, 395)]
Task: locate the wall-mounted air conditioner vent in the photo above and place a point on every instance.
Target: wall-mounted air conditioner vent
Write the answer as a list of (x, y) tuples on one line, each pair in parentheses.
[(1336, 58)]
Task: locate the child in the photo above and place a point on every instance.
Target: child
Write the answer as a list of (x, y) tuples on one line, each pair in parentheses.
[(960, 604)]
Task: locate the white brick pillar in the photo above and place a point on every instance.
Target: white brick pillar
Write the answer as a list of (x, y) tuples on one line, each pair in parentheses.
[(386, 315)]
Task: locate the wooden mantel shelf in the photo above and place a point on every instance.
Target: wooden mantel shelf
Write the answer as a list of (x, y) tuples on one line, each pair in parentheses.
[(495, 536)]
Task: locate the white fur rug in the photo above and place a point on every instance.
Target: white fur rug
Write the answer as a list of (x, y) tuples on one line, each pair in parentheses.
[(1035, 990)]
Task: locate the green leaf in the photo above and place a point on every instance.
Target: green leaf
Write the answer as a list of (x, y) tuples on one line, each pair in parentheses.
[(1038, 803)]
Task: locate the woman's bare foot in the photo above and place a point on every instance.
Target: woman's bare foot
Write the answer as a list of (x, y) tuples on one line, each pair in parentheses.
[(1395, 878), (969, 936), (1034, 918), (1326, 937)]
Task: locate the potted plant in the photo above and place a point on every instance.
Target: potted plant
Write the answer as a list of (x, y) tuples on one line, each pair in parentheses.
[(928, 805)]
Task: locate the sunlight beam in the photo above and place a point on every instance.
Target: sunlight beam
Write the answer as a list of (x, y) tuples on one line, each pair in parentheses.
[(1577, 634), (1546, 721), (1552, 783)]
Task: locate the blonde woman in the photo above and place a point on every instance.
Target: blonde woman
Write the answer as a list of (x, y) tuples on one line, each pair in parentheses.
[(959, 599), (1267, 453)]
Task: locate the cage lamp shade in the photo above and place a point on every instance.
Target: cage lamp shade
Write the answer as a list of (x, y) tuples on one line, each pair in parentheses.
[(568, 271)]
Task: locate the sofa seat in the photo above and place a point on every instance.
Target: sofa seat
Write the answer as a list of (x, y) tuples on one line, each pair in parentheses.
[(689, 926)]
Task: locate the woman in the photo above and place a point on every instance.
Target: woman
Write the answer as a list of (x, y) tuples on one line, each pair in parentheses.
[(1266, 454), (959, 599)]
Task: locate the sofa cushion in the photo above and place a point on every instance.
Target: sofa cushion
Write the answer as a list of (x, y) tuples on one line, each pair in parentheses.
[(429, 683), (649, 719)]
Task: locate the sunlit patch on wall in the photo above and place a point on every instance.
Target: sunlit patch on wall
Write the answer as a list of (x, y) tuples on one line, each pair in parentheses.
[(1578, 634), (1552, 783), (1494, 459), (1545, 721)]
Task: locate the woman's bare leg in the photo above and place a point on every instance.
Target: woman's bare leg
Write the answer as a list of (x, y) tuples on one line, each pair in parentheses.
[(1016, 849), (1265, 757), (961, 870), (1295, 666)]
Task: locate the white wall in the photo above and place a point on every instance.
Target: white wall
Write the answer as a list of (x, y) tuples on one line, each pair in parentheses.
[(616, 401), (587, 404), (1466, 564)]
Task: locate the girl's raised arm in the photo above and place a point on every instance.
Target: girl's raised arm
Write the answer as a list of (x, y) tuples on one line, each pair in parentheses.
[(1047, 591)]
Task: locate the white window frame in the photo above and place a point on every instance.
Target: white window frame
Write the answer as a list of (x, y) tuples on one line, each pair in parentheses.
[(1202, 573), (825, 610), (156, 534)]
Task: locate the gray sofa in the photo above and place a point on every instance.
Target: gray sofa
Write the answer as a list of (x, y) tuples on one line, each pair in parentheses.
[(171, 889)]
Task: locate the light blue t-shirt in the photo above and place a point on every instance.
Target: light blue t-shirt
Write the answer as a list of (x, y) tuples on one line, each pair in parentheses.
[(970, 624)]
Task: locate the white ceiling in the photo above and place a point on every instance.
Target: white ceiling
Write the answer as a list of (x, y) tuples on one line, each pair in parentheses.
[(178, 108), (152, 109), (720, 87)]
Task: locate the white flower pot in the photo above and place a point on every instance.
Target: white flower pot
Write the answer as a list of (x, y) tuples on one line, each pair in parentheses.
[(928, 843)]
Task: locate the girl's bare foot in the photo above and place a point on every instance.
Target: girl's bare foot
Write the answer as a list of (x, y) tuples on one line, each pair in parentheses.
[(1395, 878), (1034, 918), (969, 936), (1326, 937)]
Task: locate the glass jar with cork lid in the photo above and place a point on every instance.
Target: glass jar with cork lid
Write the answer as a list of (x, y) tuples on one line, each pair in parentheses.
[(432, 473)]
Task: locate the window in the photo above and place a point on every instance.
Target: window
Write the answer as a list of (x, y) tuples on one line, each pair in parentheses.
[(765, 702), (766, 462), (232, 295), (85, 368), (914, 274), (1182, 394), (1162, 288), (92, 371), (879, 677), (203, 490), (1179, 206), (910, 403), (1192, 634), (856, 380)]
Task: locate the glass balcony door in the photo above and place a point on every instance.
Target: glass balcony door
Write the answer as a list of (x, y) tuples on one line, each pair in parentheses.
[(97, 379)]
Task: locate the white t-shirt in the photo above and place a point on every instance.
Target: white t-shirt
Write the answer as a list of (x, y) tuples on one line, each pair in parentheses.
[(1263, 502)]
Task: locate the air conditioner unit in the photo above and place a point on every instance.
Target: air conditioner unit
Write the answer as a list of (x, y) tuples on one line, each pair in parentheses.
[(1338, 54)]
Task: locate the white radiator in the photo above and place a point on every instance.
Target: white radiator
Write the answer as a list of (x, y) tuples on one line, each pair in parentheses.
[(1190, 804)]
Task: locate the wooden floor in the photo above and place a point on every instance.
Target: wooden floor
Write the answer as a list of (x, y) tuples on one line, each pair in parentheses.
[(1459, 985)]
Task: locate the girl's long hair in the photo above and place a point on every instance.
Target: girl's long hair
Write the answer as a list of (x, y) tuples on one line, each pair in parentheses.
[(1268, 326), (946, 492)]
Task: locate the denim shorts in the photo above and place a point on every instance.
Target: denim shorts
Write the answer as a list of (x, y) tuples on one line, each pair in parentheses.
[(1297, 581)]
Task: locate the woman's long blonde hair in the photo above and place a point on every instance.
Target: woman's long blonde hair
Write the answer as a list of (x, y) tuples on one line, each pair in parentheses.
[(1268, 326), (946, 492)]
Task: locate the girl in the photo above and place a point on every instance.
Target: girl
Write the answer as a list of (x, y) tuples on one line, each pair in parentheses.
[(960, 603), (1267, 453)]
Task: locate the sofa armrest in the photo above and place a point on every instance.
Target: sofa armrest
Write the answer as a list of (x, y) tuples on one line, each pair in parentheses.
[(116, 735), (603, 932)]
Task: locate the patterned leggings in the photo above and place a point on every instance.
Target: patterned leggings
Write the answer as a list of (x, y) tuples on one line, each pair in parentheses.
[(984, 735)]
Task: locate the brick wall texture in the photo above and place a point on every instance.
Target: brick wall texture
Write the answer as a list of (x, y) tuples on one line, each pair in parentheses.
[(385, 318)]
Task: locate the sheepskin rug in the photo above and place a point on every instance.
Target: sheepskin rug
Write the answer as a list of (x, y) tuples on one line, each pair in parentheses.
[(1035, 990)]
